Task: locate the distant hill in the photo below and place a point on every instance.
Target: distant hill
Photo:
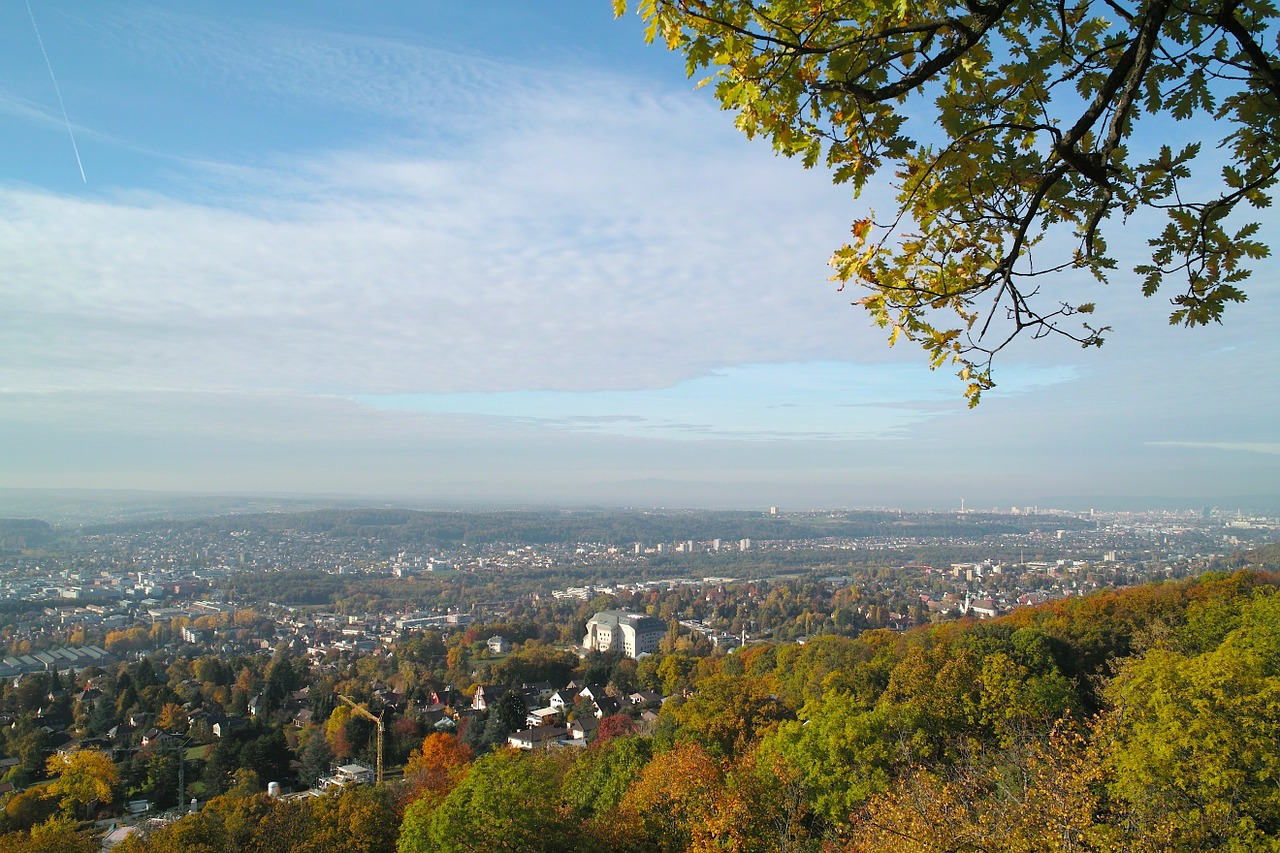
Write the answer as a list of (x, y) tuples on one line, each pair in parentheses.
[(1262, 558), (1266, 504), (612, 527), (21, 534), (99, 506)]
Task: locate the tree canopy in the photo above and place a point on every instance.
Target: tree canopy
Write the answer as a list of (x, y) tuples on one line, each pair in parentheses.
[(1142, 719), (84, 777), (1032, 156)]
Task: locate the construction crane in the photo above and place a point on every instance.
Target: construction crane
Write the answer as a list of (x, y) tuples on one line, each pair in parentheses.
[(360, 709)]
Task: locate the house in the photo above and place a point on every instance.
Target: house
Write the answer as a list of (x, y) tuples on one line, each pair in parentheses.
[(54, 738), (226, 726), (487, 695), (982, 608), (469, 716), (645, 697), (98, 743), (543, 690), (584, 728), (725, 641), (602, 704), (349, 774), (120, 732), (594, 692), (532, 697), (562, 700), (432, 713), (499, 645), (389, 699), (541, 737), (542, 717)]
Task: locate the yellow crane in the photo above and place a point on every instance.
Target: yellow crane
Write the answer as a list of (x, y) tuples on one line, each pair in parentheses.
[(360, 709)]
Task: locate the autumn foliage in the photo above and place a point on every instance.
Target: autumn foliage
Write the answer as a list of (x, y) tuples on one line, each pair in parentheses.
[(437, 767), (1139, 720)]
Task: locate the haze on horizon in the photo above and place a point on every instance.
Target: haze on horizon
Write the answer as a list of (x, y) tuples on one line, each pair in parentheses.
[(491, 253)]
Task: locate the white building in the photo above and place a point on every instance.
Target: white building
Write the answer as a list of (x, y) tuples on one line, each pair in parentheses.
[(349, 774), (633, 633)]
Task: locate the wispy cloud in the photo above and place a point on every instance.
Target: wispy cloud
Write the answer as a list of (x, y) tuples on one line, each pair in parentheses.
[(576, 256), (791, 401), (383, 263), (289, 64), (1271, 448)]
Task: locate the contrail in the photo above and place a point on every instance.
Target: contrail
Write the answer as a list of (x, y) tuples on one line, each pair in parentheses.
[(57, 91)]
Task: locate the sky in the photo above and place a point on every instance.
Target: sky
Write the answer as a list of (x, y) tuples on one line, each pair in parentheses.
[(507, 253)]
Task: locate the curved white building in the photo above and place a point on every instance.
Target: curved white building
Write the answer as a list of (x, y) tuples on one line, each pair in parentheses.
[(633, 633)]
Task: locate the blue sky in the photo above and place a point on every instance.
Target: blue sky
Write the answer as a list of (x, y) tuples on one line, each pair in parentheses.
[(506, 252)]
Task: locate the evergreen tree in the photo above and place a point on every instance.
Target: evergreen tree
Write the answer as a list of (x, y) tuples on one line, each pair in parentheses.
[(145, 674), (127, 701), (473, 735), (268, 754), (103, 716), (505, 717), (317, 758)]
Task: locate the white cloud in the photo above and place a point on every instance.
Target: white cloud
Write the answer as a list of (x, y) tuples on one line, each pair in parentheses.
[(574, 273), (577, 254), (297, 66)]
